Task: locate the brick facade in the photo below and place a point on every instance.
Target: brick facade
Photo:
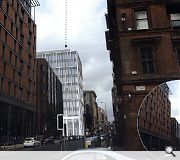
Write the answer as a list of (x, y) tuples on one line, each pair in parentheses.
[(143, 47)]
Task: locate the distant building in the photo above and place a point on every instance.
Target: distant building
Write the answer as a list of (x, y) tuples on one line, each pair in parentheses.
[(67, 66), (49, 99), (91, 111), (175, 133), (154, 119), (102, 118), (143, 41), (17, 70)]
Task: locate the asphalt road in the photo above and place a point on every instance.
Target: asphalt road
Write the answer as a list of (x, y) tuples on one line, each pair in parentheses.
[(69, 146)]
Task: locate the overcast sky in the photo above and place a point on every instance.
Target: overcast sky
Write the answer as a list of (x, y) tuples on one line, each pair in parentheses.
[(86, 27), (175, 99)]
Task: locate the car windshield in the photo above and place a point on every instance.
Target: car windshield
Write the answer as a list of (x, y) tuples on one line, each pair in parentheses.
[(29, 139)]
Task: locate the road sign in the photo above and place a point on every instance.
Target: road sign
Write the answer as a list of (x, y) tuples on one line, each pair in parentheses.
[(59, 121)]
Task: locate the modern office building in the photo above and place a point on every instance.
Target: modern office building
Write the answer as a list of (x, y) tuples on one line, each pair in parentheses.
[(17, 70), (49, 100), (67, 66), (143, 38)]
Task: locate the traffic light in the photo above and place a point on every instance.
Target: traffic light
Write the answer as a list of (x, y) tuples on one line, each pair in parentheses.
[(59, 121)]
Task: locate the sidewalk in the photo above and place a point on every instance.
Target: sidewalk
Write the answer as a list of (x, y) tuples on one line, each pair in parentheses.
[(11, 147)]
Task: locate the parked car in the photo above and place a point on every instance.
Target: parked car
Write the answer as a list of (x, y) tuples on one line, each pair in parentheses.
[(49, 140), (31, 142)]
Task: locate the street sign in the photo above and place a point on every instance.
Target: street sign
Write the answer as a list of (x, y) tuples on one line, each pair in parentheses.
[(59, 121)]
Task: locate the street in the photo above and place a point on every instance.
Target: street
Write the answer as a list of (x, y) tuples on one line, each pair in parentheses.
[(72, 145)]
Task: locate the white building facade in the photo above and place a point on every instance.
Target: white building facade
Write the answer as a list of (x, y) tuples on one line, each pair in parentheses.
[(67, 66)]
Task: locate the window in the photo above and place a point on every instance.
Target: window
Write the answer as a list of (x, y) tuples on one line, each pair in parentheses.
[(14, 74), (20, 50), (4, 68), (9, 88), (16, 19), (2, 84), (16, 61), (21, 93), (10, 57), (147, 61), (6, 36), (29, 46), (16, 33), (21, 25), (3, 51), (19, 78), (11, 28), (22, 39), (0, 3), (28, 96), (15, 45), (7, 9), (29, 23), (175, 19), (5, 20), (30, 36), (141, 20), (15, 88), (178, 55)]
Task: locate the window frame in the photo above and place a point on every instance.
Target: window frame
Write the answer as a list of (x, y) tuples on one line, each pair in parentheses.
[(147, 60), (175, 26), (136, 20)]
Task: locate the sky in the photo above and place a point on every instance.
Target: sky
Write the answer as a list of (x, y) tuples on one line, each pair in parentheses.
[(86, 28), (175, 99)]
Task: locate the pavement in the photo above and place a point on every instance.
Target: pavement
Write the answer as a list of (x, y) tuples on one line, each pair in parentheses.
[(16, 147)]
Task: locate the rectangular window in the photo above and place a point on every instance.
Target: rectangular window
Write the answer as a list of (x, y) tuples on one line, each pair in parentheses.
[(14, 45), (4, 68), (7, 9), (16, 33), (0, 32), (16, 19), (2, 84), (9, 88), (1, 3), (10, 57), (141, 20), (19, 78), (147, 60), (11, 28), (5, 20), (15, 88), (20, 50), (22, 39), (14, 74), (16, 58), (175, 20), (3, 51), (28, 96), (6, 37), (29, 23), (178, 54), (21, 93), (21, 25)]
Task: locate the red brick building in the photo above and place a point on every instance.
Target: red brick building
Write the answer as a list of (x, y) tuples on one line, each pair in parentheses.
[(154, 119), (143, 38), (49, 99), (17, 70)]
